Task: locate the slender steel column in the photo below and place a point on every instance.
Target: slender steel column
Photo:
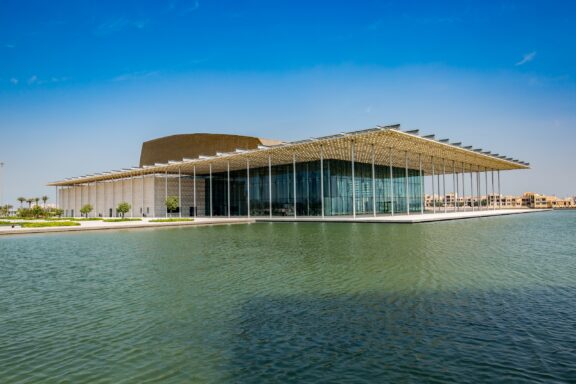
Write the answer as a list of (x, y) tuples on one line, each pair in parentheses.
[(131, 195), (248, 186), (180, 205), (433, 197), (471, 188), (113, 198), (322, 179), (499, 191), (96, 199), (353, 182), (493, 197), (228, 193), (166, 191), (454, 186), (194, 186), (422, 187), (294, 177), (211, 194), (478, 188), (438, 186), (486, 179), (463, 189), (457, 196), (444, 185), (374, 183), (269, 185), (407, 184), (143, 212), (391, 186)]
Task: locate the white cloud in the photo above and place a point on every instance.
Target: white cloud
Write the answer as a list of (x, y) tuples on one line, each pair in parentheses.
[(32, 80), (14, 80), (192, 8), (527, 58), (119, 24)]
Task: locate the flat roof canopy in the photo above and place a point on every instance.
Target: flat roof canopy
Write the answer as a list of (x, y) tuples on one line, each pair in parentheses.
[(383, 144)]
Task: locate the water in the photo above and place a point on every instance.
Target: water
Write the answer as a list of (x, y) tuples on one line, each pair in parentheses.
[(483, 300)]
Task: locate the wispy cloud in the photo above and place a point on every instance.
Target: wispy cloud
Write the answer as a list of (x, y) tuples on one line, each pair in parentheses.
[(193, 7), (526, 58), (9, 46), (14, 81), (135, 75), (119, 24), (32, 80)]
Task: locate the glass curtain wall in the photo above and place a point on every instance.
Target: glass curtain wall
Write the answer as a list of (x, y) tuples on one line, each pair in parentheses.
[(337, 190)]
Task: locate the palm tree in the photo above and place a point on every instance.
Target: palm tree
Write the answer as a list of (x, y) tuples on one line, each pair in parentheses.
[(21, 200), (44, 199), (36, 200), (29, 201)]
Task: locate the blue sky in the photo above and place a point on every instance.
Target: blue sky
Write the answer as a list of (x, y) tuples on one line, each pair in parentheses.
[(83, 84)]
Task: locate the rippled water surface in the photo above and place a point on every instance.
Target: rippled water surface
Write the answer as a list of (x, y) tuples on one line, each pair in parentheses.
[(484, 300)]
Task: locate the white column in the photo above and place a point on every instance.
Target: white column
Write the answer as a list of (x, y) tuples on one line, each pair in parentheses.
[(391, 185), (454, 186), (228, 169), (131, 195), (322, 179), (421, 185), (270, 186), (486, 179), (194, 186), (463, 189), (478, 187), (471, 189), (294, 177), (438, 187), (353, 181), (374, 182), (75, 199), (248, 187), (407, 183), (57, 197), (493, 197), (457, 196), (211, 193), (166, 190), (499, 191), (180, 205), (143, 202), (96, 201), (443, 185)]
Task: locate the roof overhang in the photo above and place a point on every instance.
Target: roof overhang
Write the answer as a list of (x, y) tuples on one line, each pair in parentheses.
[(384, 144)]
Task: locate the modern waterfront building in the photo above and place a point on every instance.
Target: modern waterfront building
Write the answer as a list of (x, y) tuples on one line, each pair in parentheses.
[(377, 171)]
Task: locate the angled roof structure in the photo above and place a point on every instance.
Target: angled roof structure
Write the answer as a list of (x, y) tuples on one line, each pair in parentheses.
[(385, 145)]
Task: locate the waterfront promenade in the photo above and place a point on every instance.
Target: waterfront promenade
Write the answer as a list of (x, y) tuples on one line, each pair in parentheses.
[(98, 225)]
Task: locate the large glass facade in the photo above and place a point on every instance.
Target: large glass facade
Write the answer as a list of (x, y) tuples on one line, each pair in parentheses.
[(338, 195)]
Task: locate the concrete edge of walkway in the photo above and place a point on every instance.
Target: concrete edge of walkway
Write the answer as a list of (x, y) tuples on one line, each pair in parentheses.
[(450, 216), (140, 225), (220, 221)]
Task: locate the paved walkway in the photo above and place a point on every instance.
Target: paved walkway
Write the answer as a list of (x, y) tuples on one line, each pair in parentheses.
[(100, 225), (403, 218), (202, 221)]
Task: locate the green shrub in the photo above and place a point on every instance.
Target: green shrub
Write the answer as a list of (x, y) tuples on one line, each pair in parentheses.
[(43, 224)]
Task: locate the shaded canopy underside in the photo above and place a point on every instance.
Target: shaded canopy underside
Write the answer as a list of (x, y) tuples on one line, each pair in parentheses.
[(383, 145)]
